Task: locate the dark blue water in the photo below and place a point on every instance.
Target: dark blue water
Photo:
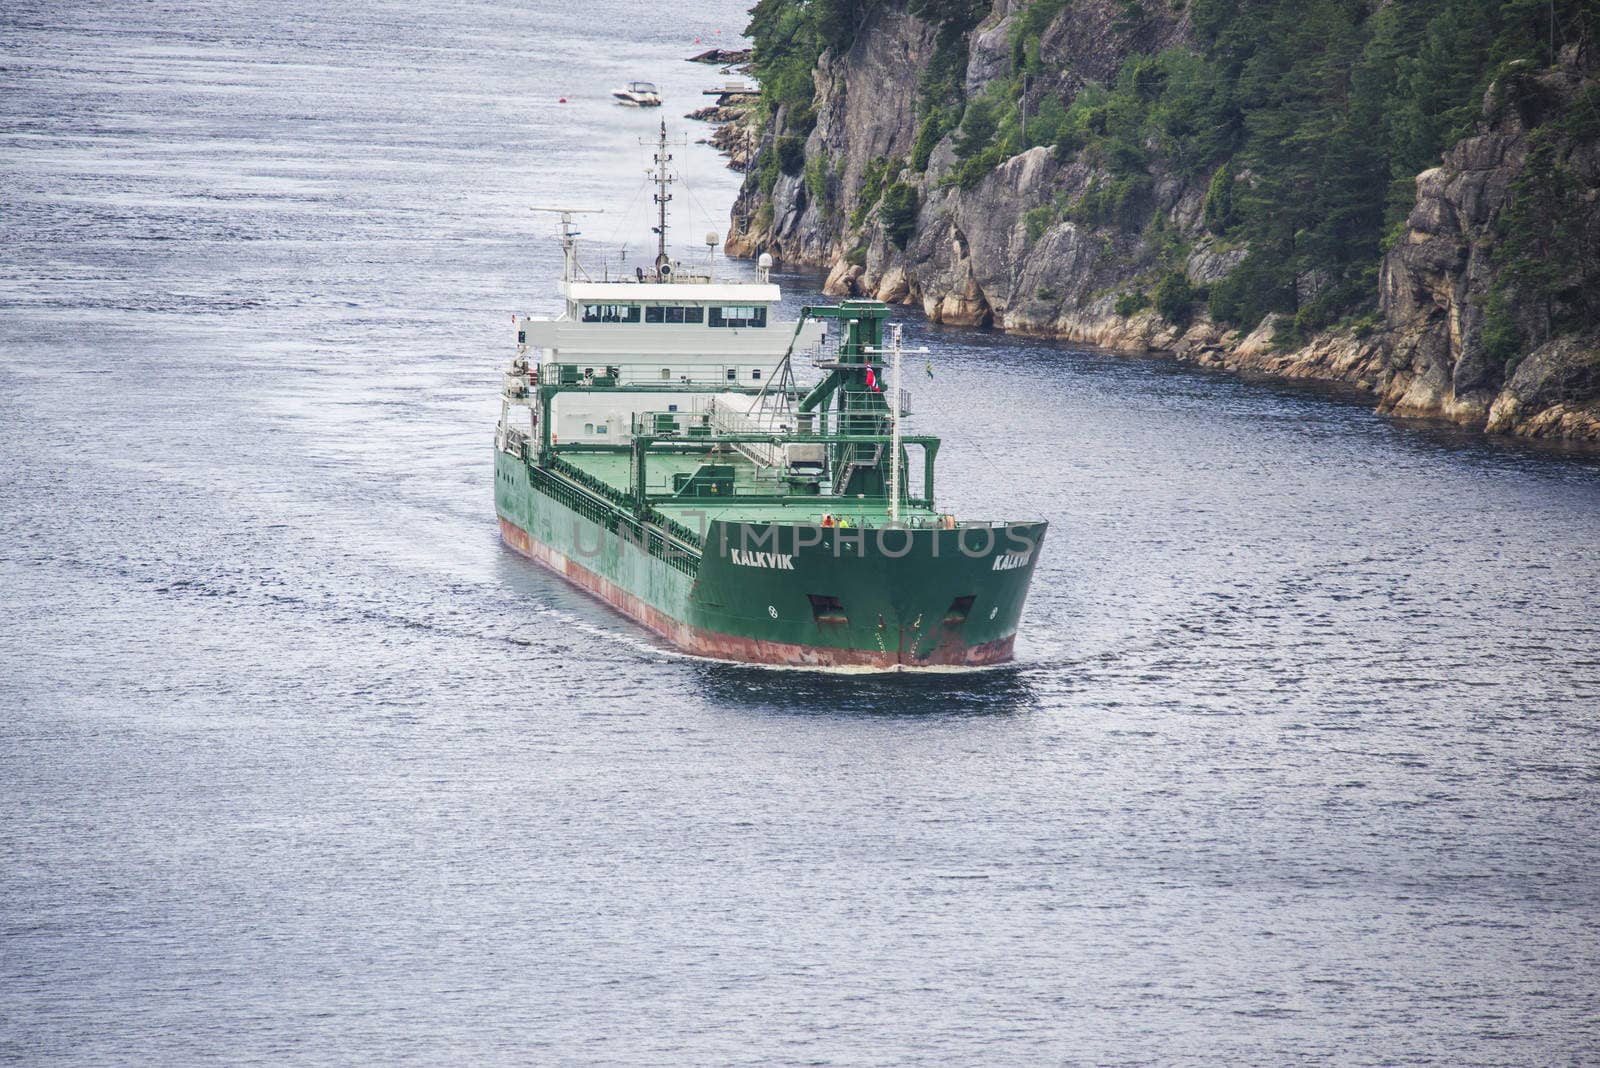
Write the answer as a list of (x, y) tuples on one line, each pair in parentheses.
[(1300, 761)]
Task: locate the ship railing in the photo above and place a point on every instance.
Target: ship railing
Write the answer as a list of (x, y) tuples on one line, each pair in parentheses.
[(667, 540), (727, 420), (691, 420), (514, 441), (840, 508), (590, 482), (970, 524), (665, 373), (688, 540), (863, 391)]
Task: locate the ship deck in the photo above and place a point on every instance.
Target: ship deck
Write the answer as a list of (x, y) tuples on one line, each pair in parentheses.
[(613, 468)]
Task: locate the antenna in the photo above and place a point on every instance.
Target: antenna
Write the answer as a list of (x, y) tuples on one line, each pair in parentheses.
[(662, 175), (569, 244)]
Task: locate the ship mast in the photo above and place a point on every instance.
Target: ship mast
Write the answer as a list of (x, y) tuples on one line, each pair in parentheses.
[(663, 179)]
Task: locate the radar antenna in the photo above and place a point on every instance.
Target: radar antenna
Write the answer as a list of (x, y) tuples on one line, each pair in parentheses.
[(569, 244)]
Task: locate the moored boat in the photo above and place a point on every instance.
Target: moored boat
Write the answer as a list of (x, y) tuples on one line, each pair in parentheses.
[(639, 95)]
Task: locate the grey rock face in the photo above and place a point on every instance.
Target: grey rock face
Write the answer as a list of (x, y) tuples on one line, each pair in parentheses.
[(1210, 263), (865, 109), (989, 51), (1436, 282), (1555, 392), (1006, 253)]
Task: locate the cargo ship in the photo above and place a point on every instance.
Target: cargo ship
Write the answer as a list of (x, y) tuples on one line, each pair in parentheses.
[(741, 485)]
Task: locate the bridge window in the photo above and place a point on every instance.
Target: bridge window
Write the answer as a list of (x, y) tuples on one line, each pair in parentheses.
[(611, 313), (737, 315), (662, 313), (755, 375)]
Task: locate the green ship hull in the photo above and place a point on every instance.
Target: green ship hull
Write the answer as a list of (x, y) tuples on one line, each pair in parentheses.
[(773, 524), (795, 594)]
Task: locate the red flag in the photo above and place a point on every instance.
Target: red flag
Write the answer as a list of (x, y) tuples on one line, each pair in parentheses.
[(872, 381)]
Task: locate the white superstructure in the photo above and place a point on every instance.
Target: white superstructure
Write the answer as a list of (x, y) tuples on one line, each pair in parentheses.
[(665, 324)]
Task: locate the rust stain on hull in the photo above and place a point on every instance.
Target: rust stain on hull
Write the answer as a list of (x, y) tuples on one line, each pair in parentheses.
[(948, 653)]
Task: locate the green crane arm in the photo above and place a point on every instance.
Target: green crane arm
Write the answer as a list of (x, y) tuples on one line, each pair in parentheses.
[(821, 392), (863, 330)]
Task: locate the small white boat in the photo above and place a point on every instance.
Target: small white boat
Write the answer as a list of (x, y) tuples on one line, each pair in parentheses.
[(639, 95)]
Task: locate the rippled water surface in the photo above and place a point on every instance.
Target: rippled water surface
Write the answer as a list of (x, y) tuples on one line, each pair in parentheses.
[(1299, 761)]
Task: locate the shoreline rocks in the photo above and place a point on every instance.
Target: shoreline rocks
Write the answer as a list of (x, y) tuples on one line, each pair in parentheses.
[(722, 57), (733, 114), (734, 135)]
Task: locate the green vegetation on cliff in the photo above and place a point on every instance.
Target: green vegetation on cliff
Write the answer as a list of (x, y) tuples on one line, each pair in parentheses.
[(1548, 253), (1311, 119), (1305, 121), (1326, 111), (788, 36)]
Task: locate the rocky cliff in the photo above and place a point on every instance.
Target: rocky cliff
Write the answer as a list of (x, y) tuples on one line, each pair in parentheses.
[(1439, 283), (1050, 242)]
